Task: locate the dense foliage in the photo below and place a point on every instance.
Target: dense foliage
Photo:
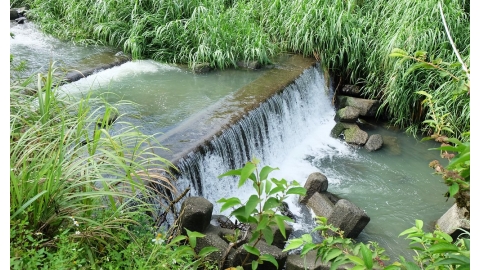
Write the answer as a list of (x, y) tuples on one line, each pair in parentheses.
[(351, 38)]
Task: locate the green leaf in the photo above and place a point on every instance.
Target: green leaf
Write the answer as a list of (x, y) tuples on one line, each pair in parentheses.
[(192, 237), (268, 186), (442, 248), (268, 235), (297, 190), (271, 202), (420, 54), (307, 247), (177, 239), (453, 189), (276, 190), (356, 260), (419, 224), (307, 238), (231, 172), (25, 205), (453, 261), (255, 236), (230, 202), (207, 250), (332, 254), (247, 171), (263, 222), (281, 225), (396, 52), (251, 205), (367, 256), (239, 213), (269, 258), (293, 244), (254, 265), (424, 94), (265, 172), (251, 250), (408, 231)]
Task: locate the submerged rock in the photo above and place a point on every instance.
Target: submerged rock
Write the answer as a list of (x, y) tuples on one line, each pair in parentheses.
[(249, 64), (374, 142), (202, 68)]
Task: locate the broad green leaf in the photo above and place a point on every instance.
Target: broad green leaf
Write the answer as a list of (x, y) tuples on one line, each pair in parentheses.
[(192, 237), (254, 265), (247, 170), (408, 231), (265, 172), (420, 54), (442, 247), (255, 236), (269, 258), (263, 222), (207, 250), (332, 254), (453, 189), (424, 94), (453, 261), (177, 239), (367, 256), (271, 202), (396, 52), (276, 190), (445, 236), (293, 244), (268, 235), (281, 225), (307, 238), (268, 186), (252, 250), (307, 247), (251, 205), (231, 172), (358, 267), (356, 260), (239, 213), (227, 203), (297, 190), (419, 224)]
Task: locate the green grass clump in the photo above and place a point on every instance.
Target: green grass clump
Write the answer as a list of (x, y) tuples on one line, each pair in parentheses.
[(76, 186)]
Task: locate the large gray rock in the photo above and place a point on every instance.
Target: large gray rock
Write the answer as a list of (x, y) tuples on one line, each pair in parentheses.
[(348, 114), (349, 218), (196, 213), (355, 135), (315, 182), (321, 204), (237, 257), (374, 142), (14, 14), (454, 219), (367, 107), (296, 262), (212, 238)]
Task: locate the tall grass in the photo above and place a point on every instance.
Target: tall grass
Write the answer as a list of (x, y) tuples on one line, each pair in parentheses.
[(351, 38), (67, 166)]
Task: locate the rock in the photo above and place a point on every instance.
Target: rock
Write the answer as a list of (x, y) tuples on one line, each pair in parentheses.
[(222, 221), (202, 68), (355, 135), (212, 238), (391, 144), (278, 239), (348, 114), (321, 205), (315, 182), (337, 130), (349, 218), (196, 213), (249, 64), (14, 14), (350, 90), (240, 254), (374, 142), (367, 107), (296, 262), (285, 210), (454, 219)]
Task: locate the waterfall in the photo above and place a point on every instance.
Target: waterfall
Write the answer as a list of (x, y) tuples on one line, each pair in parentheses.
[(270, 133)]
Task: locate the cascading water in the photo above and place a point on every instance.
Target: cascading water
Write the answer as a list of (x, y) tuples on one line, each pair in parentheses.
[(291, 131)]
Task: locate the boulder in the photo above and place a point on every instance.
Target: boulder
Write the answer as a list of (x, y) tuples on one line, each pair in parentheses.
[(349, 218), (315, 182), (237, 257), (374, 142), (14, 14), (337, 130), (321, 205), (202, 68), (212, 238), (350, 90), (454, 219), (355, 135), (296, 262), (196, 213), (367, 107), (348, 114), (249, 64)]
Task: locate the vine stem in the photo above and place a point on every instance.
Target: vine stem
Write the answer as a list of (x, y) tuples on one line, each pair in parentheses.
[(451, 41)]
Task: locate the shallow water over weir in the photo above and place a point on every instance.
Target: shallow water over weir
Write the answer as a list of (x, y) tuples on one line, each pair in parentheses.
[(291, 131)]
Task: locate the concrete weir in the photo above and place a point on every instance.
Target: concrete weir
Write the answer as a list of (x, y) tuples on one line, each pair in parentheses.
[(193, 136)]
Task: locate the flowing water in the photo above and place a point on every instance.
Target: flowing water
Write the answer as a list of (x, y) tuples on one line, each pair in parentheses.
[(290, 131)]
